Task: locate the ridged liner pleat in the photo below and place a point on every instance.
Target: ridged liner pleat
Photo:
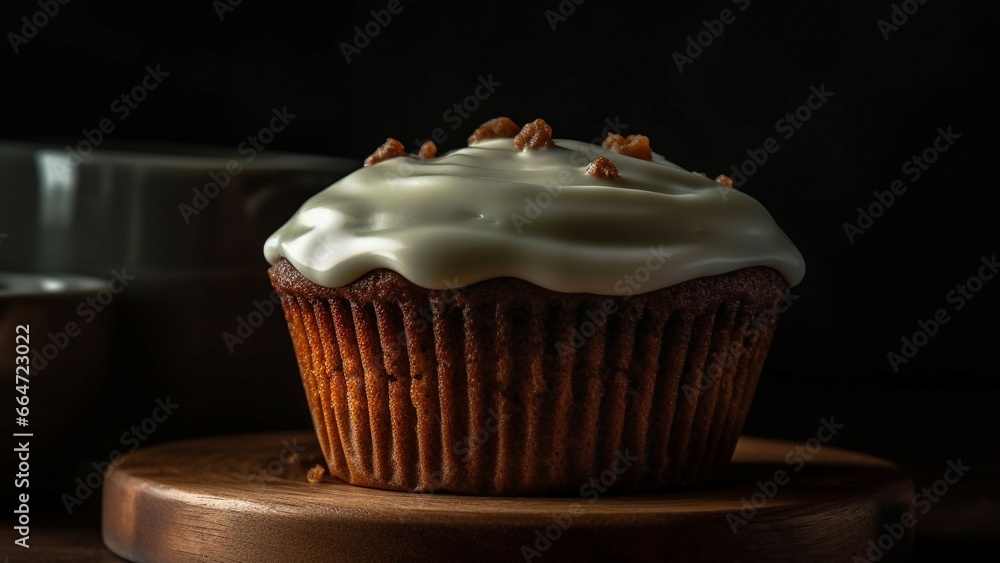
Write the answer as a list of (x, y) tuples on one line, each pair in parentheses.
[(641, 395), (510, 451), (452, 391), (417, 353), (512, 396), (348, 392)]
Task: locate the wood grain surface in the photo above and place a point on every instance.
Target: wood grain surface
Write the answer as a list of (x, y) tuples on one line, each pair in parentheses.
[(246, 498)]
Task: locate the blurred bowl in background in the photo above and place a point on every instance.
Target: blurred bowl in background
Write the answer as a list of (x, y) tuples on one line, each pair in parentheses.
[(180, 229), (163, 206), (68, 360)]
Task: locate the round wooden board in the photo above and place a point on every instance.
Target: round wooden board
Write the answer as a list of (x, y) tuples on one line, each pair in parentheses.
[(244, 498)]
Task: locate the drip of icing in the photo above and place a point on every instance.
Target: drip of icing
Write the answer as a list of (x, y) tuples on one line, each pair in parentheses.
[(488, 211)]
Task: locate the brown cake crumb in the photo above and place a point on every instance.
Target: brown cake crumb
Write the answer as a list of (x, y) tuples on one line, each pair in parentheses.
[(534, 136), (428, 150), (636, 146), (724, 180), (391, 148), (602, 168), (702, 174), (316, 473), (495, 128)]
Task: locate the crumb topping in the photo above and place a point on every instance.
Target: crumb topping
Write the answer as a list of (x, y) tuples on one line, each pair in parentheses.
[(495, 128), (428, 150), (602, 168), (391, 148), (534, 136), (636, 146)]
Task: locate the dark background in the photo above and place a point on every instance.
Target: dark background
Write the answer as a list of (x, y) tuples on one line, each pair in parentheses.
[(613, 60)]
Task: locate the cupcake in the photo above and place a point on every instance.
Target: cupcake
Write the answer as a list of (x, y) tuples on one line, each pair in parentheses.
[(529, 315)]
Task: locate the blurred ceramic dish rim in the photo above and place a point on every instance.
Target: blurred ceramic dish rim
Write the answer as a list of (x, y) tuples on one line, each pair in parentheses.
[(20, 285), (123, 192), (180, 154)]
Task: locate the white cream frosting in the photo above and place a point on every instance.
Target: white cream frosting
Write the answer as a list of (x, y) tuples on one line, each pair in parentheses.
[(488, 211)]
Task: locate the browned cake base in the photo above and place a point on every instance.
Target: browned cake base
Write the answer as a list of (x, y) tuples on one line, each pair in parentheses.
[(503, 387)]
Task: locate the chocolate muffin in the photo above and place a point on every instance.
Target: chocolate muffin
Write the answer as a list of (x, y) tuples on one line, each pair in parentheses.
[(529, 315)]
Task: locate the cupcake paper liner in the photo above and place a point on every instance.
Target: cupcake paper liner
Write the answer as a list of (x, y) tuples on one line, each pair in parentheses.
[(506, 388)]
